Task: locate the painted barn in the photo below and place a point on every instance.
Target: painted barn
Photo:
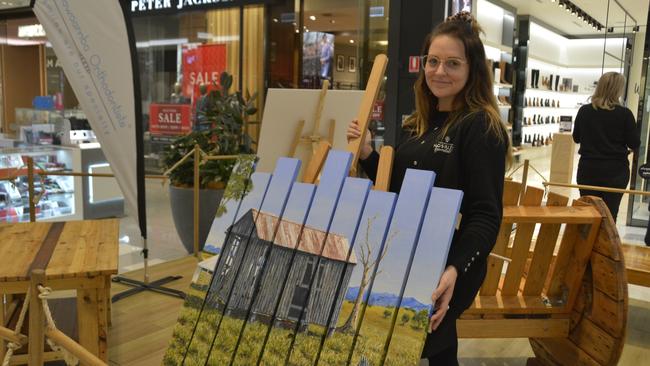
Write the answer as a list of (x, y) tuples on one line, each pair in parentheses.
[(245, 249)]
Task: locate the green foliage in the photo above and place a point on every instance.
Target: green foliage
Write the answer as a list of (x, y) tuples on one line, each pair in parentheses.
[(387, 313), (226, 136), (239, 183), (405, 318)]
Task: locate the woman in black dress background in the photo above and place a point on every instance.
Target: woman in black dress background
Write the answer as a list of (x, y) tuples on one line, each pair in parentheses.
[(606, 132), (455, 131)]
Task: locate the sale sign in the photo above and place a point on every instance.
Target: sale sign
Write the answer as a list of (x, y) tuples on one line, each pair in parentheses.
[(169, 119), (202, 64)]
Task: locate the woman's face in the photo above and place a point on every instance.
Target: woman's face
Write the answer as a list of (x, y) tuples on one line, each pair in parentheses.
[(446, 69)]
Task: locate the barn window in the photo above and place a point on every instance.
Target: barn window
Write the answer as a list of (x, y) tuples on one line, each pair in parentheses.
[(230, 259)]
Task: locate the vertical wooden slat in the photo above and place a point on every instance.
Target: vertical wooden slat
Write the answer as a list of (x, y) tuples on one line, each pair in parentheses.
[(384, 169), (87, 320), (296, 138), (495, 265), (521, 245), (316, 163), (543, 254), (368, 101), (36, 320)]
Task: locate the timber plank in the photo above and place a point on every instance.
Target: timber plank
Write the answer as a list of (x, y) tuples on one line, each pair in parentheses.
[(637, 263), (543, 252), (521, 245), (18, 248), (512, 328), (551, 215), (561, 351), (608, 313), (511, 191), (605, 275), (516, 304), (593, 340)]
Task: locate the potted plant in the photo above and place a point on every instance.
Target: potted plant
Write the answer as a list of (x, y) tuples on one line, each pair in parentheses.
[(221, 132)]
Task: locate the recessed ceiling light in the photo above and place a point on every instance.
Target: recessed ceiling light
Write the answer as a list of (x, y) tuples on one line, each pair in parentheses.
[(275, 20), (312, 17), (332, 21), (297, 31), (352, 41)]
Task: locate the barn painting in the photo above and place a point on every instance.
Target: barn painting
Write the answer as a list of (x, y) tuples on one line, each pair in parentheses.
[(249, 253)]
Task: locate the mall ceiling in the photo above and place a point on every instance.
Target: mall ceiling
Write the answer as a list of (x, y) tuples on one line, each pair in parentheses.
[(550, 13)]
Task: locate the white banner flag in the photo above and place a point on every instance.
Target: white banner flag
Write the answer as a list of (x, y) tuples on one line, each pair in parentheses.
[(91, 41)]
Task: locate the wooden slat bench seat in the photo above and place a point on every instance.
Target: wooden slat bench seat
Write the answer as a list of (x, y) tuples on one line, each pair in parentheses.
[(565, 286)]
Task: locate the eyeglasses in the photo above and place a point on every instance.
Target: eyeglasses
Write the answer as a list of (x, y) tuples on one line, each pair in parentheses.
[(451, 65)]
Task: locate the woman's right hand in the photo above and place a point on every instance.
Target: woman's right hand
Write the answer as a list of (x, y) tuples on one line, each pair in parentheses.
[(354, 132)]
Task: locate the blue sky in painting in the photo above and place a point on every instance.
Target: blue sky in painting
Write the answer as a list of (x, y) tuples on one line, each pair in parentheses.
[(346, 216), (299, 202), (252, 199), (285, 173), (337, 167), (378, 209), (435, 238), (407, 217)]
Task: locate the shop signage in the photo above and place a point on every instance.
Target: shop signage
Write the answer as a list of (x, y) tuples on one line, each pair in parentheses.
[(149, 7), (169, 119), (31, 31), (414, 64), (378, 111), (566, 123), (644, 171), (202, 64)]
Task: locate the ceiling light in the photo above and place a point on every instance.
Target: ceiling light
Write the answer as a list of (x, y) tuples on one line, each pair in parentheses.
[(297, 31), (312, 17), (275, 20), (332, 21), (352, 41)]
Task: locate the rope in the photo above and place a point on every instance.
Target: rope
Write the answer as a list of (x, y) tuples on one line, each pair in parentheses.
[(12, 346), (68, 357)]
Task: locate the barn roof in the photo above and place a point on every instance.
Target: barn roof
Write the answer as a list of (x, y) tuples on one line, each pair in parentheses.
[(336, 247)]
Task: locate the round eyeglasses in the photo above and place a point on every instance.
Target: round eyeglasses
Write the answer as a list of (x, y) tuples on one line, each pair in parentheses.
[(451, 65)]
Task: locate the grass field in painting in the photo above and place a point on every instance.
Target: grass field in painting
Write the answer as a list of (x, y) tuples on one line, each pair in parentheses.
[(405, 347)]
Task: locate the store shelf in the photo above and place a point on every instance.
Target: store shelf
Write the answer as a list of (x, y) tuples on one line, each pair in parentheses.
[(556, 92), (547, 108)]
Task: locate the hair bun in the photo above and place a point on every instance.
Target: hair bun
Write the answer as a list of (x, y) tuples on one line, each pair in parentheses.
[(467, 18)]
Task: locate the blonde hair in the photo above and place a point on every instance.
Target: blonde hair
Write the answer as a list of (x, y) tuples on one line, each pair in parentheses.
[(609, 91), (477, 95)]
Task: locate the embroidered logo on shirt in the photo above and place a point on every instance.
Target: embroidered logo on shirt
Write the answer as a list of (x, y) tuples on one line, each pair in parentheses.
[(445, 147)]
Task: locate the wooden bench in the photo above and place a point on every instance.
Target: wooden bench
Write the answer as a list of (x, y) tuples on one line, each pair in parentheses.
[(565, 288), (637, 264)]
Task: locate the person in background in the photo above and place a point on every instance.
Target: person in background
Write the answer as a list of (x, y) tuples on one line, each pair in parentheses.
[(326, 55), (457, 132), (606, 132)]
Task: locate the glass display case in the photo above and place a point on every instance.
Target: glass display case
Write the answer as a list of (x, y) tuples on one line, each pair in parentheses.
[(57, 193)]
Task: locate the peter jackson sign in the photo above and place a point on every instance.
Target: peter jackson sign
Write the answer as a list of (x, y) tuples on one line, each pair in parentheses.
[(147, 7)]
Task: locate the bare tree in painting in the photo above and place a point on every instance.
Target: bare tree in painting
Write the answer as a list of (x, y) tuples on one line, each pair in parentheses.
[(365, 258)]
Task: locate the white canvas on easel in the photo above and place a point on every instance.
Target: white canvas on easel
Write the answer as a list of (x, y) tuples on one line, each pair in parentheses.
[(285, 108)]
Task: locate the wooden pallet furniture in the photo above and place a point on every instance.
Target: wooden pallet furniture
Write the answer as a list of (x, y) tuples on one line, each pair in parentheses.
[(75, 255), (565, 288)]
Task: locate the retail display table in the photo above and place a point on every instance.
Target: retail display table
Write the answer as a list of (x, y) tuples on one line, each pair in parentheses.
[(76, 255)]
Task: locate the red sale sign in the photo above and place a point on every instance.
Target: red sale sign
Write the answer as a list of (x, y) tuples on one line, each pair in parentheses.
[(414, 64), (169, 119), (202, 64)]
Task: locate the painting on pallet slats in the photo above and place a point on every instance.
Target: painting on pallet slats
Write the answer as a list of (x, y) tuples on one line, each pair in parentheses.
[(429, 257), (243, 183), (337, 275)]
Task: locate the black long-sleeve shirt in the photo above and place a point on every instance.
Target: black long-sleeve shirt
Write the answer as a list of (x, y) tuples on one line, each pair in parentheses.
[(469, 158), (605, 134)]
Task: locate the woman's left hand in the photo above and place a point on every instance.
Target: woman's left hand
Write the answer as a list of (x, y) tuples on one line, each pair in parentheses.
[(442, 296)]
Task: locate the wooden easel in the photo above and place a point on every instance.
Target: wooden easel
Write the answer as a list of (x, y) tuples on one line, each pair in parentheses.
[(314, 138), (321, 147)]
